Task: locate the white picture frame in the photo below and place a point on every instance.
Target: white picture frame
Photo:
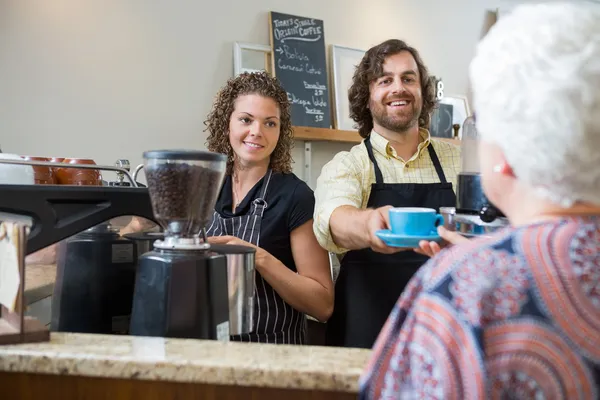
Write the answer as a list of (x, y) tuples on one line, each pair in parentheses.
[(343, 63), (251, 57), (460, 109)]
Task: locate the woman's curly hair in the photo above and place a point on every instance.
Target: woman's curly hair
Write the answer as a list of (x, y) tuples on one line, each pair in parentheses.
[(371, 68), (217, 121)]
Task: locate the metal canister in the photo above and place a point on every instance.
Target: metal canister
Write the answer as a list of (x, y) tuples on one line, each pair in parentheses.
[(240, 286)]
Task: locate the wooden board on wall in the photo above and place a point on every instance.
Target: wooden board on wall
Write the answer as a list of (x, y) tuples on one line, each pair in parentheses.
[(311, 134), (300, 63)]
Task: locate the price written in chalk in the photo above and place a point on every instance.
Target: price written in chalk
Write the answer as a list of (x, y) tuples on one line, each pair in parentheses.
[(317, 101), (312, 106), (319, 89)]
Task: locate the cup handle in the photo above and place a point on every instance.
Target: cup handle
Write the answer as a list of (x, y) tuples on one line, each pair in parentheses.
[(439, 220)]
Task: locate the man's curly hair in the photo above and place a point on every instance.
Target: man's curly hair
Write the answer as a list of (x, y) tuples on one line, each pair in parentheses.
[(371, 68), (217, 121)]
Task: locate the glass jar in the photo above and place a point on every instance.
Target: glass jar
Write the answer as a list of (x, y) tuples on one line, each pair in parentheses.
[(77, 176), (42, 175), (470, 147), (13, 174)]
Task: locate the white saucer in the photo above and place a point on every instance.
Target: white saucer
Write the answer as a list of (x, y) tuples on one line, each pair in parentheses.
[(398, 240)]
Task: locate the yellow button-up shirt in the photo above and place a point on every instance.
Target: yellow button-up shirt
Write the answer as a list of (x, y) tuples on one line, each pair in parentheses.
[(347, 178)]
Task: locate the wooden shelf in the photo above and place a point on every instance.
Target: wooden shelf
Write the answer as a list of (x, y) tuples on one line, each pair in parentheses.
[(310, 134), (325, 135)]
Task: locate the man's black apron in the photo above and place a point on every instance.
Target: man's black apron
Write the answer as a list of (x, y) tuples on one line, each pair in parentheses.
[(275, 321), (370, 283)]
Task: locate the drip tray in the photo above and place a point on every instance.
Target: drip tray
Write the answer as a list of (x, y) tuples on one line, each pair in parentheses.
[(470, 225)]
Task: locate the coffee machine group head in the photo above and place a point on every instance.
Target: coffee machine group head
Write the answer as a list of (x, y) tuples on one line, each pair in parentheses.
[(474, 214), (186, 287)]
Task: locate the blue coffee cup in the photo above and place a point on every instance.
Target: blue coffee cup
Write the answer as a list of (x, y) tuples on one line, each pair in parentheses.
[(414, 221)]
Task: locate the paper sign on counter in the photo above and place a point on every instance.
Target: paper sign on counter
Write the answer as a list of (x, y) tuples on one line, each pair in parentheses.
[(10, 276)]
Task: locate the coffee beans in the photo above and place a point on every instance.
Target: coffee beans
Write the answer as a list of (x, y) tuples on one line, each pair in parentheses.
[(183, 196)]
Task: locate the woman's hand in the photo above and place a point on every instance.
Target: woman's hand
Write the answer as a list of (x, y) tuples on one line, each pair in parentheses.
[(310, 289), (432, 248), (137, 224), (45, 256), (260, 257)]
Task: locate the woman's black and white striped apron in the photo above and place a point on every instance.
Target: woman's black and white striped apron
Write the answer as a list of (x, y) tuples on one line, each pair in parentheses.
[(275, 321)]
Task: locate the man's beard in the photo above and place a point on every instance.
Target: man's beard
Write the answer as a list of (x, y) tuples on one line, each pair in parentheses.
[(396, 122)]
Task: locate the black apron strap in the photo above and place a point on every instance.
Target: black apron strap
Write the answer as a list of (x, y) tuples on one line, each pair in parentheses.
[(436, 163), (260, 203), (265, 185), (434, 158), (378, 174)]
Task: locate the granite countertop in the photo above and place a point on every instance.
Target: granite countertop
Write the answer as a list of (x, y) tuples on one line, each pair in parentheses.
[(187, 360), (39, 281)]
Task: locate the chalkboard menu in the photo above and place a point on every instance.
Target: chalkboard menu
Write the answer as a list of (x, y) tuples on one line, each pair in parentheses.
[(299, 62)]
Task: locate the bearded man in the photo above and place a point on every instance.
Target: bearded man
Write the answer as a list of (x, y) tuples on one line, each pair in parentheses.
[(397, 164)]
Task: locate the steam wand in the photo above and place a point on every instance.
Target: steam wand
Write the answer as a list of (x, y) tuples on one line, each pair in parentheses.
[(137, 171)]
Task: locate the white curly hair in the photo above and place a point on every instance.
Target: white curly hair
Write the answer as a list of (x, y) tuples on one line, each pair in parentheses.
[(536, 93)]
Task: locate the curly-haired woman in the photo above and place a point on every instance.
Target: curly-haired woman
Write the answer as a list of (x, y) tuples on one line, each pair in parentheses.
[(264, 205)]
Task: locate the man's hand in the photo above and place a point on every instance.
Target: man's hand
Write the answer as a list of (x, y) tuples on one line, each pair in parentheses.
[(432, 248), (354, 229), (378, 219)]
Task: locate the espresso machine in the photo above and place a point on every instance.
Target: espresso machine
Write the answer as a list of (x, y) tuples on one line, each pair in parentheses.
[(203, 288), (95, 266), (97, 298), (186, 287), (474, 215)]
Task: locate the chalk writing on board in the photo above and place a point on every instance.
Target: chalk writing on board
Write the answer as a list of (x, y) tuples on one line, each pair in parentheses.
[(300, 64), (297, 29), (291, 53)]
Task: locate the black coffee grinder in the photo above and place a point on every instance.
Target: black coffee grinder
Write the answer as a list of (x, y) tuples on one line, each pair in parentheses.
[(186, 287), (95, 275), (95, 266)]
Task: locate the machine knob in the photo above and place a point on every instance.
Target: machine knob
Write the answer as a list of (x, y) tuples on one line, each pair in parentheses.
[(456, 127), (488, 213), (123, 164)]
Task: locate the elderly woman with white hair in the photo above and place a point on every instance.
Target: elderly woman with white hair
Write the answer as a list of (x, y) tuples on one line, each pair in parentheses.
[(516, 315)]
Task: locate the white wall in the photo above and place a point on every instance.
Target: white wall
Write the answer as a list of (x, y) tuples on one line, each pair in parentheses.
[(108, 79)]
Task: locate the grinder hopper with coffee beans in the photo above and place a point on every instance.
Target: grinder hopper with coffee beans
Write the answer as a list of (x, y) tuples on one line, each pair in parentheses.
[(187, 287)]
